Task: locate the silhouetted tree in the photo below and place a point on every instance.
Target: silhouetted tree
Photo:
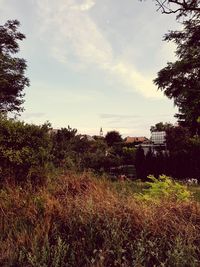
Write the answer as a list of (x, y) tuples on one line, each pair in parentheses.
[(180, 7), (150, 163), (12, 79), (177, 139), (63, 146), (161, 127), (113, 137), (180, 80), (140, 163)]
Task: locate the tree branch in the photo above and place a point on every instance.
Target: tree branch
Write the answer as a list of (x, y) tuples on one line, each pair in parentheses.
[(183, 6)]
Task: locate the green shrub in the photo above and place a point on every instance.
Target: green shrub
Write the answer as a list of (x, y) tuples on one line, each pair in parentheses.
[(164, 188), (24, 150)]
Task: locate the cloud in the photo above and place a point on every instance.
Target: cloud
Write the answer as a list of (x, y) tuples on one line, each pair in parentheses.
[(74, 37), (87, 5), (141, 83), (117, 116)]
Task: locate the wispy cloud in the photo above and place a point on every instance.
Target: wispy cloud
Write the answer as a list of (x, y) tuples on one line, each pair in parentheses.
[(87, 5), (135, 80), (118, 116), (75, 37)]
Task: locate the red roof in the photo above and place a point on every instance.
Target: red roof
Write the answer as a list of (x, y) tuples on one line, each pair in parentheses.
[(140, 139)]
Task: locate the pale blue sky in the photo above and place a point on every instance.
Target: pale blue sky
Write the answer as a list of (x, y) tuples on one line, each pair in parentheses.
[(91, 63)]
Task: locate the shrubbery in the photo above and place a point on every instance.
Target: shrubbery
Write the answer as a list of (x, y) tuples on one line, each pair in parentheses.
[(164, 188), (25, 150)]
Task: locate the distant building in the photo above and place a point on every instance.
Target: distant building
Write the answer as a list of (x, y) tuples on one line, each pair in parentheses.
[(158, 138), (140, 139), (157, 143), (101, 132)]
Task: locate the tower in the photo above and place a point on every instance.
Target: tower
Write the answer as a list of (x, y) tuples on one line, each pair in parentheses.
[(101, 132)]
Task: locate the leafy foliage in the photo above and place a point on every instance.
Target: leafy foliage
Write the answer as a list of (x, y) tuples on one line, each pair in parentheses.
[(12, 69), (161, 127), (62, 146), (24, 150), (113, 137), (165, 188), (180, 80)]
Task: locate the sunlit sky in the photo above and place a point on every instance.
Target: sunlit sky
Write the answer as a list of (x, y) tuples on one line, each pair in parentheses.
[(91, 63)]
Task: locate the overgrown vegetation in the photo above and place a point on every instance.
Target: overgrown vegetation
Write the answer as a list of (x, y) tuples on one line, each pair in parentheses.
[(25, 151), (79, 220), (29, 152)]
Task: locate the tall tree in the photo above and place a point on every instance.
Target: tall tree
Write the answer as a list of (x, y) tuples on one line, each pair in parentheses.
[(140, 165), (180, 80), (12, 69), (177, 139)]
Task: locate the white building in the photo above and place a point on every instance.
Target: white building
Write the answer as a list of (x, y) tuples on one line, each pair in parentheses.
[(157, 143), (158, 138)]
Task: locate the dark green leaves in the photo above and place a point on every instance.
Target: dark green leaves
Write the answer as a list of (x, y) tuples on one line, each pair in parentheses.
[(12, 69)]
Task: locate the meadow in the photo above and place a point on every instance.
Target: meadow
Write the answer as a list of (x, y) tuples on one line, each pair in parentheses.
[(86, 220)]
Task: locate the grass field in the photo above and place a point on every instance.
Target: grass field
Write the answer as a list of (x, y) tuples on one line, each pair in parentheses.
[(195, 191), (78, 220), (137, 187)]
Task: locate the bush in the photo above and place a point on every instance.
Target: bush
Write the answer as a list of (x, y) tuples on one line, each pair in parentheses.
[(24, 150), (165, 188)]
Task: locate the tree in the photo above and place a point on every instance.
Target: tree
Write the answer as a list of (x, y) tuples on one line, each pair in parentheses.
[(12, 79), (140, 163), (128, 155), (161, 127), (113, 137), (25, 151), (181, 80), (63, 142), (177, 139), (180, 7)]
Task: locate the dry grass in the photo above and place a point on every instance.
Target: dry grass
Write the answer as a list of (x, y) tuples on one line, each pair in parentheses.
[(78, 220)]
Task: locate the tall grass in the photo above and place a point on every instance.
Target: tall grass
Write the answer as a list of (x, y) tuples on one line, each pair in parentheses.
[(78, 220)]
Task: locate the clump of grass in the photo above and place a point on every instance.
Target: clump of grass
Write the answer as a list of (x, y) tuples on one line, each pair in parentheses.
[(78, 220)]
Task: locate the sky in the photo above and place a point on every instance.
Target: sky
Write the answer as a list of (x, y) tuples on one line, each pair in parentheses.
[(91, 63)]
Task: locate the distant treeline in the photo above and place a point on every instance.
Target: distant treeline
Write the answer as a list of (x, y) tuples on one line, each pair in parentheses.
[(31, 152), (180, 165)]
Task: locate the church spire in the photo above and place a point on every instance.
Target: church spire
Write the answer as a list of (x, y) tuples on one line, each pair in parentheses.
[(101, 132)]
